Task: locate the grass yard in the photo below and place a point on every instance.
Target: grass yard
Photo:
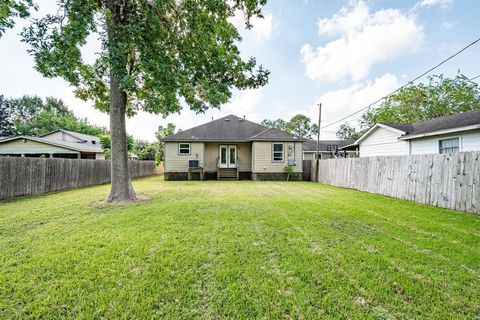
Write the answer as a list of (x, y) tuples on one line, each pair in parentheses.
[(246, 250)]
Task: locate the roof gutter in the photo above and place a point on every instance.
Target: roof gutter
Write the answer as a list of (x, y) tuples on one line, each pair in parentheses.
[(439, 132)]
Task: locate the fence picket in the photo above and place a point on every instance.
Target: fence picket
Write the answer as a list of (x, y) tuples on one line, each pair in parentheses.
[(27, 176)]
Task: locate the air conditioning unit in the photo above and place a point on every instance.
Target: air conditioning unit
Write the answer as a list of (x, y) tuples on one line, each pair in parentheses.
[(193, 163)]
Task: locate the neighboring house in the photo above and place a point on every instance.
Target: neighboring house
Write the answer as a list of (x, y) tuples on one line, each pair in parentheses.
[(328, 149), (234, 148), (56, 144), (456, 133)]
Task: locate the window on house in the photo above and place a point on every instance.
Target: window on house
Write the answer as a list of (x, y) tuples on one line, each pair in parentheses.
[(448, 145), (184, 148), (278, 152)]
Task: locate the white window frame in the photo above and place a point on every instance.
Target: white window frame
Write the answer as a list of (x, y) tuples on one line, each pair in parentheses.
[(449, 138), (183, 148), (274, 152)]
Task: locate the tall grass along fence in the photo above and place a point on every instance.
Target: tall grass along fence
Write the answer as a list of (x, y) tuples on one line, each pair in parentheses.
[(449, 181), (27, 176)]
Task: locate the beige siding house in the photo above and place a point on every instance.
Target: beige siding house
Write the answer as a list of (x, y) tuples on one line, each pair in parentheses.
[(232, 148), (57, 144)]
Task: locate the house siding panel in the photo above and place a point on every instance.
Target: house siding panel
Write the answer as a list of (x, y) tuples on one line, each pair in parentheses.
[(383, 142), (262, 151), (179, 163), (30, 147), (244, 156), (469, 141)]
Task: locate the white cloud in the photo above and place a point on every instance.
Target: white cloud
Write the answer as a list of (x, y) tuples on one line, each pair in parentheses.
[(447, 25), (261, 27), (365, 39), (431, 3), (340, 103)]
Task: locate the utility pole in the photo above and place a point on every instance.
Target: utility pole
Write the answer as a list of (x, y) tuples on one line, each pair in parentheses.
[(318, 140)]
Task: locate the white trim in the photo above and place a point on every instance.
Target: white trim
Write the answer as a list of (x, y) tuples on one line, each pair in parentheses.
[(375, 126), (439, 132)]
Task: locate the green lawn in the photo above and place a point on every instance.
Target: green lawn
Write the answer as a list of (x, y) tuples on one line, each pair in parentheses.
[(276, 250)]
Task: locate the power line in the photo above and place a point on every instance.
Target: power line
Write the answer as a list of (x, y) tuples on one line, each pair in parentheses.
[(407, 84), (474, 78)]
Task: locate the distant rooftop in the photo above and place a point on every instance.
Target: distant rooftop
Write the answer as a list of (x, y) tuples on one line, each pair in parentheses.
[(311, 145)]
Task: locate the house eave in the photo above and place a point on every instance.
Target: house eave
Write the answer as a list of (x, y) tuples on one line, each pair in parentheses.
[(440, 132), (52, 143), (204, 140), (278, 139)]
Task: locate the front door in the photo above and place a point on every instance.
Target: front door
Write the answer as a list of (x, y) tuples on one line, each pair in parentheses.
[(227, 156)]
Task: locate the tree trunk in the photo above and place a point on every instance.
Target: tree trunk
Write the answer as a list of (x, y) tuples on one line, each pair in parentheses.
[(122, 189)]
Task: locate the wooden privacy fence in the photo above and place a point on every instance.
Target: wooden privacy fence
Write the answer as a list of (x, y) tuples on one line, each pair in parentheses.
[(449, 181), (27, 176)]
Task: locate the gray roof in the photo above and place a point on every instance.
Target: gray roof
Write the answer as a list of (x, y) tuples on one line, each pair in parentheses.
[(311, 145), (78, 135), (458, 120), (232, 128), (76, 146)]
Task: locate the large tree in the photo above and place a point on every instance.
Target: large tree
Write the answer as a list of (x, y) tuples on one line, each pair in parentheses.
[(439, 97), (154, 52)]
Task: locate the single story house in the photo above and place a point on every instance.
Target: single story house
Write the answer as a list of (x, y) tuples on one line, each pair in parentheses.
[(232, 148), (328, 149), (56, 144), (456, 133)]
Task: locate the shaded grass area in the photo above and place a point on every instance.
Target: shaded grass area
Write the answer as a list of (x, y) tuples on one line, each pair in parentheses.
[(236, 250)]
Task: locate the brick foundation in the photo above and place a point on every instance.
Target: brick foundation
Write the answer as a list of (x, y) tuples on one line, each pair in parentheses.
[(276, 176)]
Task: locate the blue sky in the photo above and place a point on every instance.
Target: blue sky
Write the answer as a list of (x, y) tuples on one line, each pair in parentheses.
[(344, 54)]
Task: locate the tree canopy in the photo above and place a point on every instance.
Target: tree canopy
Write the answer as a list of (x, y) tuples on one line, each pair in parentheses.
[(32, 116), (439, 97), (11, 9), (157, 50)]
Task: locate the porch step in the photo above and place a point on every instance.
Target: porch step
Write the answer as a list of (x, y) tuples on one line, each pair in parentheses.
[(227, 174)]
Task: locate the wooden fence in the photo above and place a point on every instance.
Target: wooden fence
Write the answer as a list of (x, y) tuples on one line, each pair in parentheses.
[(449, 181), (27, 176)]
